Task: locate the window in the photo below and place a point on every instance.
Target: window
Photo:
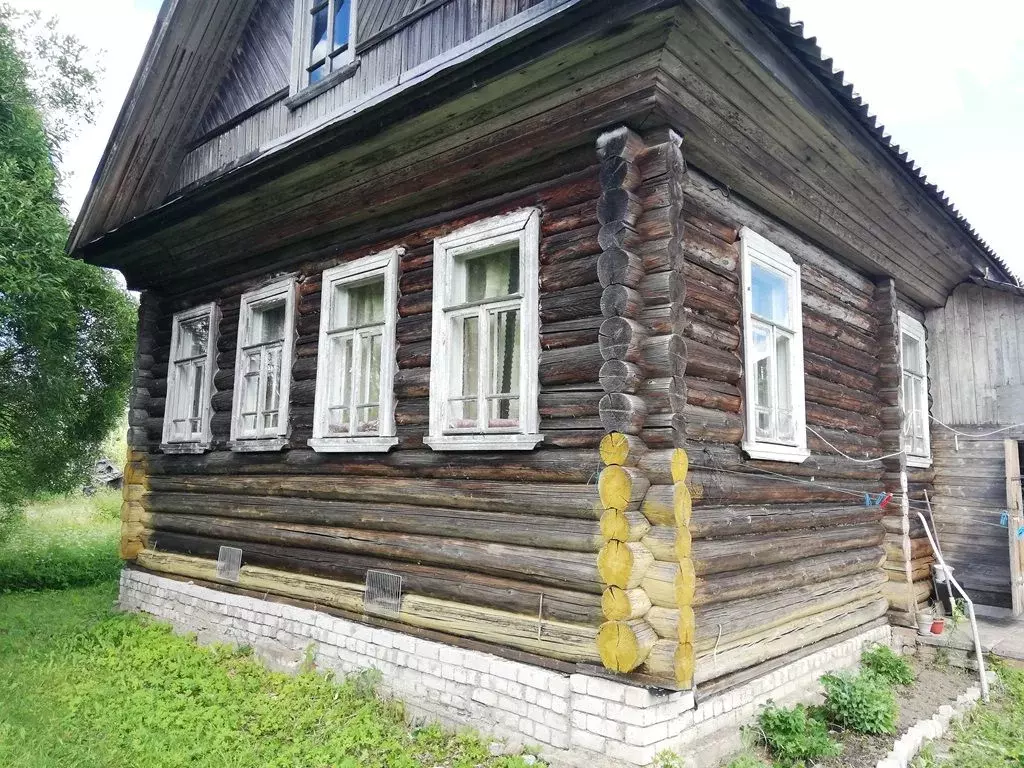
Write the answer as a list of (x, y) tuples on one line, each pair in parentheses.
[(485, 344), (263, 365), (324, 39), (356, 364), (913, 364), (190, 380), (773, 352)]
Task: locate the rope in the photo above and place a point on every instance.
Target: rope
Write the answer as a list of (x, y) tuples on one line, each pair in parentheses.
[(960, 433), (847, 456)]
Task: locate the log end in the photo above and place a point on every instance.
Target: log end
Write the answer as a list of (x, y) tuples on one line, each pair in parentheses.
[(625, 645)]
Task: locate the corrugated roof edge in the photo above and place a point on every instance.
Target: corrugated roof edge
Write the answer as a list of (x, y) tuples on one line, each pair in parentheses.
[(791, 34)]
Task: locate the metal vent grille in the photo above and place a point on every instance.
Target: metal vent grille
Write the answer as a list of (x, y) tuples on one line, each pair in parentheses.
[(229, 561), (383, 595)]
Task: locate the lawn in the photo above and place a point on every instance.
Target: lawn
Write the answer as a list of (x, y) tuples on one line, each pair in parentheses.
[(992, 735), (81, 685)]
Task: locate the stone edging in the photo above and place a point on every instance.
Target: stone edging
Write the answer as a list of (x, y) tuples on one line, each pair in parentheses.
[(910, 743)]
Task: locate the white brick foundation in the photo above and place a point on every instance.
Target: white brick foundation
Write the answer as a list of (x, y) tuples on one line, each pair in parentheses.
[(576, 719)]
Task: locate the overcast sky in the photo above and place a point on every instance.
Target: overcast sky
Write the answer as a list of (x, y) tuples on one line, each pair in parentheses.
[(946, 79)]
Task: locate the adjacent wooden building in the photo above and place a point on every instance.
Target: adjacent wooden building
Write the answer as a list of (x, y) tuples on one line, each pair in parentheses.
[(976, 353), (593, 322)]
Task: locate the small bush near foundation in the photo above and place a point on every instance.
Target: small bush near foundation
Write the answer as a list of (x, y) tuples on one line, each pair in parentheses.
[(861, 702), (794, 736), (669, 759), (887, 665)]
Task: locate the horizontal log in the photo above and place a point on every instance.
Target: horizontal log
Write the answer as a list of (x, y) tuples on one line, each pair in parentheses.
[(499, 527), (556, 568), (573, 365), (623, 604), (545, 637), (744, 552), (578, 501)]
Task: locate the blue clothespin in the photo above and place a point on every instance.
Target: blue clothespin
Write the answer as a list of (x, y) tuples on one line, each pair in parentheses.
[(1020, 532), (879, 499), (1004, 519), (867, 500)]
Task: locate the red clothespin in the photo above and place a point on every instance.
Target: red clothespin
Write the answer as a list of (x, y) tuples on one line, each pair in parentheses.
[(885, 501)]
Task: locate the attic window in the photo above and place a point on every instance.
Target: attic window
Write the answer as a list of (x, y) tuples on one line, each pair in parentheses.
[(324, 41)]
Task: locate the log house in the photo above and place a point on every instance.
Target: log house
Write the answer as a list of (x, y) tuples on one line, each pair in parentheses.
[(587, 320)]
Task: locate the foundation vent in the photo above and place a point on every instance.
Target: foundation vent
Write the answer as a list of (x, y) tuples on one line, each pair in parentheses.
[(229, 562), (383, 595)]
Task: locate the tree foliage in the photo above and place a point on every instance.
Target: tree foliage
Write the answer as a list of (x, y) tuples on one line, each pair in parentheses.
[(66, 328)]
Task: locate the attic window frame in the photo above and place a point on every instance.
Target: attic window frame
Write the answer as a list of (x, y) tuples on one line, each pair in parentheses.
[(915, 330), (756, 249), (196, 443), (343, 62)]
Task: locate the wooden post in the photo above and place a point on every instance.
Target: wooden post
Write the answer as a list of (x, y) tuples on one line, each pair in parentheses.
[(1015, 513)]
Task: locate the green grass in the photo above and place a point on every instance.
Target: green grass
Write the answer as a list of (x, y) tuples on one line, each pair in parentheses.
[(82, 686), (63, 542), (992, 735)]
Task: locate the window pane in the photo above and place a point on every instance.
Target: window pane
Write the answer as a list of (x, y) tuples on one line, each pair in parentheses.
[(317, 73), (762, 381), (193, 337), (318, 38), (769, 294), (784, 388), (250, 384), (268, 324), (504, 412), (341, 23), (272, 385), (491, 275), (339, 389), (369, 369), (505, 351), (465, 367), (366, 303), (197, 391), (912, 354)]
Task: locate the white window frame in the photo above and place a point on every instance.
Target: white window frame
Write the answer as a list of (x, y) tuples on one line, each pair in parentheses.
[(908, 326), (522, 228), (380, 264), (251, 301), (302, 27), (201, 443), (756, 248)]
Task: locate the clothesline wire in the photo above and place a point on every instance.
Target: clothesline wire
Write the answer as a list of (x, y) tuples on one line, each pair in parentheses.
[(960, 433)]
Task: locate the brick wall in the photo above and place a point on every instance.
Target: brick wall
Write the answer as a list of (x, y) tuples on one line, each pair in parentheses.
[(577, 719)]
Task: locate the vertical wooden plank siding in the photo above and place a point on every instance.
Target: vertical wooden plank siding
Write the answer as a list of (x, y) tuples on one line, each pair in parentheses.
[(261, 66), (1015, 523)]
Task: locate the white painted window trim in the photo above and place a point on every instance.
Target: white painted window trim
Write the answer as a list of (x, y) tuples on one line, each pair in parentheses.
[(386, 264), (754, 247), (282, 289), (202, 443), (908, 326), (302, 21), (521, 227)]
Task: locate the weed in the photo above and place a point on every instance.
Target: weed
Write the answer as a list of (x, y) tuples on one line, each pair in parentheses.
[(941, 658), (793, 736), (669, 759), (861, 702), (747, 761), (888, 665)]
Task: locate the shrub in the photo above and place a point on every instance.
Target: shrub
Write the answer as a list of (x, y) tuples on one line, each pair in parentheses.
[(860, 702), (794, 736), (883, 662), (746, 761)]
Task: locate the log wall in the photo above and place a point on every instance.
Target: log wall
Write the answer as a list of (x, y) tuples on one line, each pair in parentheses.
[(490, 540)]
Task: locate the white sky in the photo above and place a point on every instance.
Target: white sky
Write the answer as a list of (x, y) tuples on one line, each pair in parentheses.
[(947, 80)]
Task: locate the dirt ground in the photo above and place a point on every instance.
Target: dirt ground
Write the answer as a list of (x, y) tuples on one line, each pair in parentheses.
[(933, 688)]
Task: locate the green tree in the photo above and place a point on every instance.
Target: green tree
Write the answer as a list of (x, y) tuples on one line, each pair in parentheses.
[(66, 328)]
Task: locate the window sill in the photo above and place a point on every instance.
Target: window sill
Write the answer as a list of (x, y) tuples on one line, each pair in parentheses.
[(769, 452), (919, 462), (352, 444), (483, 442), (184, 448), (266, 444), (310, 92)]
